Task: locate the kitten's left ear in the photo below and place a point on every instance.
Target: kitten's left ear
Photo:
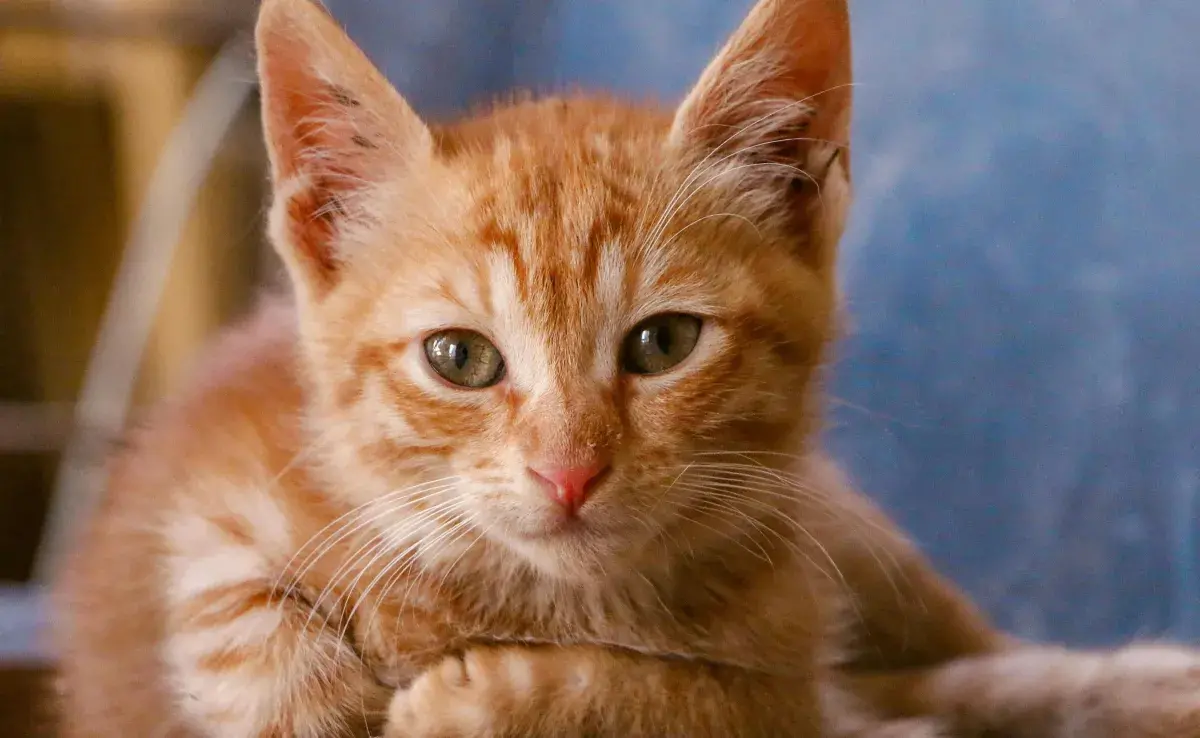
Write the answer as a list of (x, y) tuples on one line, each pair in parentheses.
[(772, 111), (335, 129)]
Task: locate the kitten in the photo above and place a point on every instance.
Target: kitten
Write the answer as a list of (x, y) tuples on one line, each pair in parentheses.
[(531, 451)]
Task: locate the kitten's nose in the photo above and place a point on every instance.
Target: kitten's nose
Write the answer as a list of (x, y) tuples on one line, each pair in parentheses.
[(571, 486)]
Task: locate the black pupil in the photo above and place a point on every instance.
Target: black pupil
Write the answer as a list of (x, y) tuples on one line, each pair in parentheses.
[(459, 353), (658, 336)]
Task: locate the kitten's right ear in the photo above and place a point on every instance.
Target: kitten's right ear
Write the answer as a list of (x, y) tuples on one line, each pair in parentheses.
[(335, 129)]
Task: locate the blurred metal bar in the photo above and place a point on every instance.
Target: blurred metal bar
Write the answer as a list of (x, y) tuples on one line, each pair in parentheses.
[(31, 427), (22, 622), (128, 319)]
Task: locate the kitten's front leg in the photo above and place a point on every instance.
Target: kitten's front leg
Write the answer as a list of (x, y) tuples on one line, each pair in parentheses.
[(249, 663), (592, 691), (1143, 691)]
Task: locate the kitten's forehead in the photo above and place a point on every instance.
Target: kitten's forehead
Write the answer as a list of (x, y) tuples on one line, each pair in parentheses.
[(561, 231), (555, 221), (556, 245), (571, 192)]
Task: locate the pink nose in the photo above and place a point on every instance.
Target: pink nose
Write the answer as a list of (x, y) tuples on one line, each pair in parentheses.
[(570, 487)]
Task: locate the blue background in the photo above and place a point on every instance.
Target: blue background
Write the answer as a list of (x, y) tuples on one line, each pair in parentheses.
[(1022, 386)]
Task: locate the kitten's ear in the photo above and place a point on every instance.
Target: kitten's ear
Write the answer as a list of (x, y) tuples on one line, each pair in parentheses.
[(773, 111), (334, 128)]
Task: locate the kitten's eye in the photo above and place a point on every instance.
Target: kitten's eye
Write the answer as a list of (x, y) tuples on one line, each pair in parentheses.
[(464, 358), (660, 342)]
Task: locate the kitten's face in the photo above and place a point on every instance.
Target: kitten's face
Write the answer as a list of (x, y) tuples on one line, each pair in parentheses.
[(593, 340), (545, 327)]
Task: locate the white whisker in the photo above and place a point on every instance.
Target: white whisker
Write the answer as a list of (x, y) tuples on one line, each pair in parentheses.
[(342, 520)]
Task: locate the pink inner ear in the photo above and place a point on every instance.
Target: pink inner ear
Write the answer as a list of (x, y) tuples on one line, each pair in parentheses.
[(317, 140), (332, 171), (308, 117), (327, 113), (310, 216), (317, 126)]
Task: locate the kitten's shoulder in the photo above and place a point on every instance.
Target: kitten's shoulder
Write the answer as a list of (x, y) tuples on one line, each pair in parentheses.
[(243, 398), (255, 357), (232, 421)]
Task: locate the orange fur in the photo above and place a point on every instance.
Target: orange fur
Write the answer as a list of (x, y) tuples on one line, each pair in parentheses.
[(1140, 691), (321, 537)]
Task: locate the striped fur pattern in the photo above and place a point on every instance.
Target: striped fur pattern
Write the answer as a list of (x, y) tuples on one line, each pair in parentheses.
[(321, 537)]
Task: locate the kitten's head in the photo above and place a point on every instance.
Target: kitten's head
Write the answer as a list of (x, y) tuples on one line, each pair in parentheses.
[(559, 318)]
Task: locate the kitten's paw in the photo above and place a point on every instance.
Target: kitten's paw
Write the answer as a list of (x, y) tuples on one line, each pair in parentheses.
[(475, 694)]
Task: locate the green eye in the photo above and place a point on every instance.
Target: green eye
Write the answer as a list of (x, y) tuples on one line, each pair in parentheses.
[(464, 358), (660, 342)]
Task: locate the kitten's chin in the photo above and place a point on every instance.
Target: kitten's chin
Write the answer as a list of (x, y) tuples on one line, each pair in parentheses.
[(576, 554)]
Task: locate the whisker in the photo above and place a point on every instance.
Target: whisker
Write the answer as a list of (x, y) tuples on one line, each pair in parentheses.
[(722, 535), (458, 558), (458, 530), (738, 481), (745, 479), (794, 545), (358, 510), (703, 218), (405, 557), (725, 511), (358, 521), (374, 545), (745, 453), (373, 551)]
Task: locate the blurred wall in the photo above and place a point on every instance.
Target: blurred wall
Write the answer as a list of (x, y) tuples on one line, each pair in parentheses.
[(87, 100), (1022, 387)]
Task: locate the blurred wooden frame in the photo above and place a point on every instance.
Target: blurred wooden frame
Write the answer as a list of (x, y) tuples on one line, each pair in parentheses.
[(137, 60), (147, 81)]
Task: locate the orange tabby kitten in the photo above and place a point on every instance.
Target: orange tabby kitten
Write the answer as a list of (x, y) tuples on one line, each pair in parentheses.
[(531, 450)]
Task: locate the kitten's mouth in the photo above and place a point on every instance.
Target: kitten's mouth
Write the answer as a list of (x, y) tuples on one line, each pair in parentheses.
[(577, 547), (595, 530), (559, 528)]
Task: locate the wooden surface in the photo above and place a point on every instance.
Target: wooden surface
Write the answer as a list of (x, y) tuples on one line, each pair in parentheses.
[(25, 702)]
